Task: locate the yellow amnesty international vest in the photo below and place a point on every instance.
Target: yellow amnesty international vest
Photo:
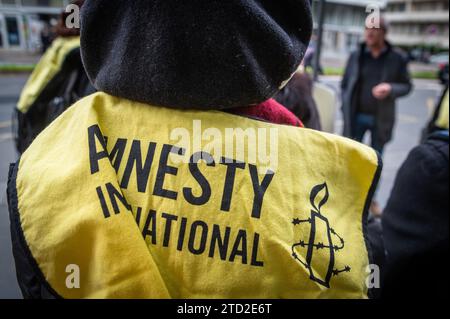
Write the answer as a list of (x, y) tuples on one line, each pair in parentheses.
[(443, 118), (46, 69), (118, 199)]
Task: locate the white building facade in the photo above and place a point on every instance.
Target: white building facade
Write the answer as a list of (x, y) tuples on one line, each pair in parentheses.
[(344, 24), (419, 23), (21, 22)]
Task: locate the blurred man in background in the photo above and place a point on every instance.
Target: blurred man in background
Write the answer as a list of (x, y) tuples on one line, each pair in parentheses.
[(376, 75)]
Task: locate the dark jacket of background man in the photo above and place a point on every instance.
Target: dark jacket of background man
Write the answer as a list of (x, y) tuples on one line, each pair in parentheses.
[(394, 72)]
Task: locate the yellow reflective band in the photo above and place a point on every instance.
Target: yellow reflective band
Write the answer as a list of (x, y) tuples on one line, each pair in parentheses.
[(107, 188), (443, 119)]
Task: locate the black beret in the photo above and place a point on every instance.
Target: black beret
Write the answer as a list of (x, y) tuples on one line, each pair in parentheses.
[(205, 54)]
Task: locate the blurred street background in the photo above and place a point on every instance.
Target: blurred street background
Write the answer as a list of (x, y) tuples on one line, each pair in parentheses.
[(419, 27)]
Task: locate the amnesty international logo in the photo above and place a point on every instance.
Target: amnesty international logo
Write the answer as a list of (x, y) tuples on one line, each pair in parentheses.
[(320, 254)]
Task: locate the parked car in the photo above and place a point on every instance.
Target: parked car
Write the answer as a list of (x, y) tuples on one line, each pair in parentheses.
[(440, 59)]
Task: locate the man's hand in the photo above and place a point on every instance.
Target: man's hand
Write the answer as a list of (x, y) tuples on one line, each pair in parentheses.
[(382, 91)]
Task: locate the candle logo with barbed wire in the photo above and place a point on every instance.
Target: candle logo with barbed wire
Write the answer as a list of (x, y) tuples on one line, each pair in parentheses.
[(316, 248)]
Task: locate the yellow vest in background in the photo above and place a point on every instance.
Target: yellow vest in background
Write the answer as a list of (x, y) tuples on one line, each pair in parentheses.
[(106, 189), (50, 64), (443, 119)]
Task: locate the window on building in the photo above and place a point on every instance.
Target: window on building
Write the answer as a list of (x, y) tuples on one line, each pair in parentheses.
[(8, 2), (43, 3), (430, 5), (12, 30), (396, 7)]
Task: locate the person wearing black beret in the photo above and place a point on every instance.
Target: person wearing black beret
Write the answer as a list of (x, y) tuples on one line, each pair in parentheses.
[(182, 177)]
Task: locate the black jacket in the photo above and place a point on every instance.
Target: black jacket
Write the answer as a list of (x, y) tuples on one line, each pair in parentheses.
[(395, 72), (416, 225)]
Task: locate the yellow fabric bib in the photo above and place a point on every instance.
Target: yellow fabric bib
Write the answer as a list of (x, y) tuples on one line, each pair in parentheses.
[(46, 69), (443, 119), (146, 224)]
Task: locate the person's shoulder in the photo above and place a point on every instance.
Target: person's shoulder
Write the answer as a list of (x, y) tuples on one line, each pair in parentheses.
[(399, 54), (438, 144), (355, 53), (430, 158)]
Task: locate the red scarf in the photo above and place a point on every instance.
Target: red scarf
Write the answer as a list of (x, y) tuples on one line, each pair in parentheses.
[(270, 111)]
